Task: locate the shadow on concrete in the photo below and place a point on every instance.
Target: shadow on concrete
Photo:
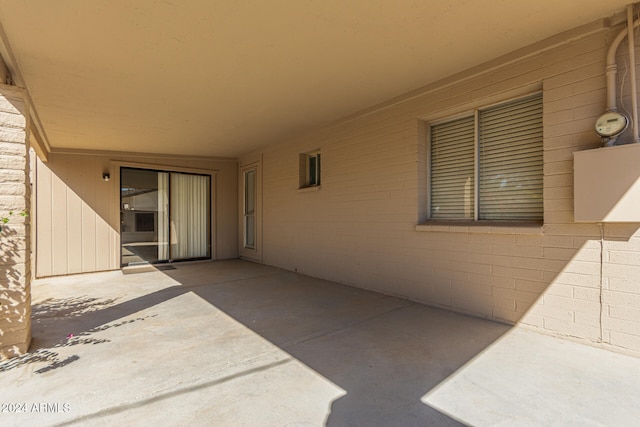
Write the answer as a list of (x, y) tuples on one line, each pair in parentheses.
[(81, 316), (385, 352), (14, 291), (168, 395)]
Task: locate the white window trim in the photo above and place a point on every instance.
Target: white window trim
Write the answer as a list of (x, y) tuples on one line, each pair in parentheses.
[(245, 213), (254, 253)]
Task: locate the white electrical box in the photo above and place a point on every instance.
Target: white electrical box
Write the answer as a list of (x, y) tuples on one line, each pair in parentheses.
[(606, 184)]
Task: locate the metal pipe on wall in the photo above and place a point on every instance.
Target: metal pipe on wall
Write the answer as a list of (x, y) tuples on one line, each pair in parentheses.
[(632, 70), (612, 68)]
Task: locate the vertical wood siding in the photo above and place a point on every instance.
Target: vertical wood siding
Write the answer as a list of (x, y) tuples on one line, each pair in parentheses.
[(77, 212)]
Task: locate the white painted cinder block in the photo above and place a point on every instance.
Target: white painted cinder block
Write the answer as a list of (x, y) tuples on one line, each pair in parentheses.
[(360, 227)]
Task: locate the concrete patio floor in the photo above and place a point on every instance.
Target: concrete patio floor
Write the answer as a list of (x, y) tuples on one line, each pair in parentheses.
[(234, 343)]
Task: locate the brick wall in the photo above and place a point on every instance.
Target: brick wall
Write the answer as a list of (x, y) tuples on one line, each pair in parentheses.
[(15, 272), (360, 227)]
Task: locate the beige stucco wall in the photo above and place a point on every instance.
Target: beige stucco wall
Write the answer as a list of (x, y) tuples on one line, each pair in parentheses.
[(360, 227), (77, 212)]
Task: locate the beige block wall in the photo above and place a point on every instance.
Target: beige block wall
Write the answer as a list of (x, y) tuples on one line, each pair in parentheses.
[(360, 227), (15, 249), (77, 215)]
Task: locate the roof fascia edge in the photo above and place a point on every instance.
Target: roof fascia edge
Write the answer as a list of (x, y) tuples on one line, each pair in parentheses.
[(549, 43), (39, 139), (133, 154)]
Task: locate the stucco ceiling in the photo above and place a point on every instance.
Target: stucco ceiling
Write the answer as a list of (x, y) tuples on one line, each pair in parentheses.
[(223, 77)]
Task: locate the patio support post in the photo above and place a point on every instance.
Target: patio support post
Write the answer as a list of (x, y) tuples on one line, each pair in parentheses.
[(15, 262)]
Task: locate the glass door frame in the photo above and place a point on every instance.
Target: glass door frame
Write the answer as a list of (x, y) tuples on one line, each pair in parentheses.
[(169, 170), (247, 251), (249, 209)]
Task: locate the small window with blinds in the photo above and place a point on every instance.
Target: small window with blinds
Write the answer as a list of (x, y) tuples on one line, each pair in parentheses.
[(310, 169), (489, 165)]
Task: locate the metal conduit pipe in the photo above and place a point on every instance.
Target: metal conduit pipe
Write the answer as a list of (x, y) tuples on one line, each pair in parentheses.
[(611, 124), (632, 69), (612, 68)]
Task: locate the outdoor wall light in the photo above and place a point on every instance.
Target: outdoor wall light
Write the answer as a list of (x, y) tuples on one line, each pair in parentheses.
[(106, 176)]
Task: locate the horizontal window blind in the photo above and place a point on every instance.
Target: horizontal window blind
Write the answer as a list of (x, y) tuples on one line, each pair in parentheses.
[(453, 169), (511, 162)]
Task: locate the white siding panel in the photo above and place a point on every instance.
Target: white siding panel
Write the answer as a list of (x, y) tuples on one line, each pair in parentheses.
[(78, 215)]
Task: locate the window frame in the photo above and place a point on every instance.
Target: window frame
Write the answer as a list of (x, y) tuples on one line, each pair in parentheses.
[(305, 178), (475, 113), (249, 209)]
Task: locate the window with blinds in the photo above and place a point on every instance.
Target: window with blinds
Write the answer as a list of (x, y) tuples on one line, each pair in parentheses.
[(453, 169), (489, 165), (309, 169)]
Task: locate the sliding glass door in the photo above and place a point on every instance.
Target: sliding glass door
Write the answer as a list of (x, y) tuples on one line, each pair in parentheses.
[(164, 216)]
